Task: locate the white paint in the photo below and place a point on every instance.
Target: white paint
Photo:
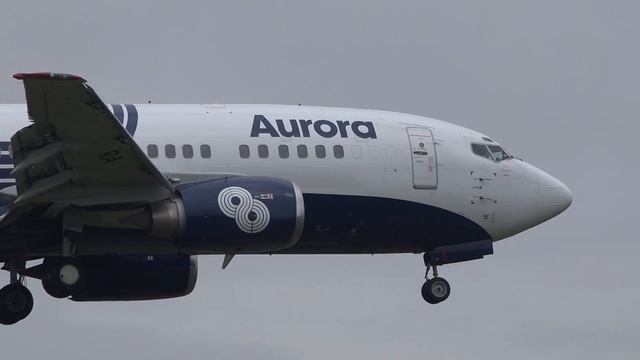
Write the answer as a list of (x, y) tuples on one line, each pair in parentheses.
[(504, 205)]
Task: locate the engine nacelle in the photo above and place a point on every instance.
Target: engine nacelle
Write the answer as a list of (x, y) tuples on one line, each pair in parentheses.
[(243, 214), (112, 278), (238, 214)]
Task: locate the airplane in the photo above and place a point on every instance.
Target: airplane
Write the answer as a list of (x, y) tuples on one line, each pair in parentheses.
[(115, 202)]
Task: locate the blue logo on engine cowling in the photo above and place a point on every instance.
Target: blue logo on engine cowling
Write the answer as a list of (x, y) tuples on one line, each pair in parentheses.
[(251, 215), (221, 217)]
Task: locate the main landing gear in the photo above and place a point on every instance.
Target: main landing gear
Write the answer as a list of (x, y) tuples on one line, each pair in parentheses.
[(436, 289), (16, 301), (59, 278)]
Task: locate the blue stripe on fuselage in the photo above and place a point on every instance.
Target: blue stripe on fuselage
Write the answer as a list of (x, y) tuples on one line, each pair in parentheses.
[(5, 159), (362, 224), (132, 116), (132, 120), (118, 113)]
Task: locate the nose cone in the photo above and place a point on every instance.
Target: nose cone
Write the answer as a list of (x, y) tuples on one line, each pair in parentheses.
[(553, 197)]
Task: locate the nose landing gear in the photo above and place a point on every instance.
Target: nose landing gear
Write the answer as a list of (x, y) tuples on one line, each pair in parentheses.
[(16, 301), (436, 289)]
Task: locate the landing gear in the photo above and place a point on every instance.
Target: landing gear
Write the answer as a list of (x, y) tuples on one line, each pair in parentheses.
[(16, 301), (436, 289)]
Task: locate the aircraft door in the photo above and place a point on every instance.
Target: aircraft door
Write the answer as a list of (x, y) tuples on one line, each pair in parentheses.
[(423, 158)]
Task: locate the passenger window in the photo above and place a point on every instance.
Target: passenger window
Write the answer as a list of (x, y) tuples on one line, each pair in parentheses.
[(205, 151), (152, 151), (481, 150), (302, 151), (244, 151), (263, 151), (497, 153), (283, 151), (187, 151), (374, 152), (338, 151), (356, 151), (321, 152), (170, 151)]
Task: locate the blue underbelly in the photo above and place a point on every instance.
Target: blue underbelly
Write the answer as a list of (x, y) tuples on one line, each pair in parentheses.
[(361, 224)]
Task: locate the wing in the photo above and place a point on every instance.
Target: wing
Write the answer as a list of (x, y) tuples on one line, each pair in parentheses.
[(76, 151)]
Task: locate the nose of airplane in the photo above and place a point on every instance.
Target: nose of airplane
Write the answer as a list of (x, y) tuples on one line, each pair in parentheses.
[(553, 196)]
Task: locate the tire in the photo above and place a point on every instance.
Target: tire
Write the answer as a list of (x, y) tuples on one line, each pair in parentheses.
[(16, 303), (436, 290), (426, 294)]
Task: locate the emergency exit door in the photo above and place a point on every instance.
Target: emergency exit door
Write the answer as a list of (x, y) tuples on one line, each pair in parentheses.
[(423, 158)]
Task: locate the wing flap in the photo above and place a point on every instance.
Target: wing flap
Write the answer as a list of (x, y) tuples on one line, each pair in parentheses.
[(37, 156)]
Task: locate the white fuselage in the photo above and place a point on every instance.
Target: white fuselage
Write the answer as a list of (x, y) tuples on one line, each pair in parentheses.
[(503, 197)]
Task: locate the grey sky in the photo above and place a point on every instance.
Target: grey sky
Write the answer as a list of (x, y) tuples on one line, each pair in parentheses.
[(556, 82)]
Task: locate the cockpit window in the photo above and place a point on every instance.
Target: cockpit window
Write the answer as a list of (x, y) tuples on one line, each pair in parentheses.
[(491, 152), (481, 150), (497, 153)]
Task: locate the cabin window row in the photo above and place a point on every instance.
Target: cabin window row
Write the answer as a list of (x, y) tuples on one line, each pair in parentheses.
[(302, 151), (170, 152)]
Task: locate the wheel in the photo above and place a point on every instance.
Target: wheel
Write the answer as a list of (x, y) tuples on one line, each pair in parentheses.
[(64, 277), (16, 303), (436, 290)]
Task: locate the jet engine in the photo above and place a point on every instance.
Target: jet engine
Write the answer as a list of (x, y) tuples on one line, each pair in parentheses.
[(109, 278), (233, 215), (243, 214)]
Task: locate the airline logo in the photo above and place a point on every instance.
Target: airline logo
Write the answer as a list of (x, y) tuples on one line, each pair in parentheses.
[(251, 215), (126, 114), (304, 128)]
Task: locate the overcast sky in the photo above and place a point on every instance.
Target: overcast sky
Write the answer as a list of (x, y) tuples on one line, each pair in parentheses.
[(556, 82)]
